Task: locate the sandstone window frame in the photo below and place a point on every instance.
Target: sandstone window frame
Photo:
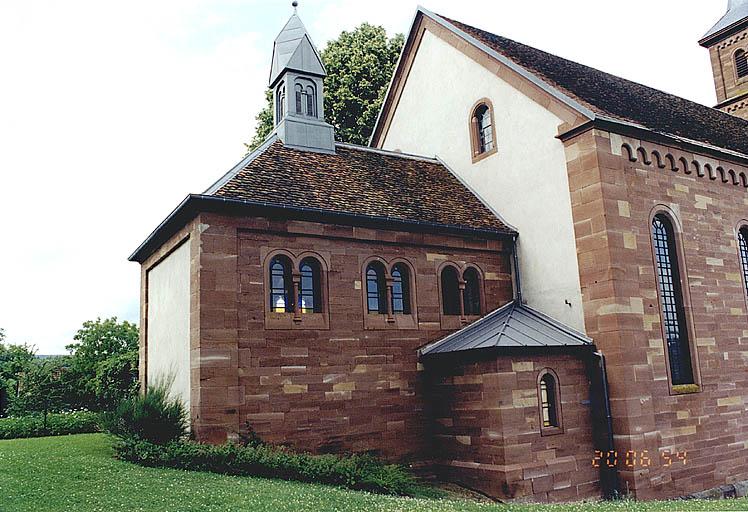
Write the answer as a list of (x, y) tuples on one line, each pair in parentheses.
[(458, 319), (319, 317), (388, 318), (682, 294), (549, 398), (476, 130)]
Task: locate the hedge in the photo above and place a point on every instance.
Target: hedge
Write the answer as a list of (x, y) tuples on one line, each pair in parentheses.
[(58, 424), (360, 472)]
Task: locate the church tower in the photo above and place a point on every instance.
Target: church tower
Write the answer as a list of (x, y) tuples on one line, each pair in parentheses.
[(296, 78), (727, 42)]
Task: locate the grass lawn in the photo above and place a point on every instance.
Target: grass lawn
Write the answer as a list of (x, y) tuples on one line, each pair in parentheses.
[(77, 473)]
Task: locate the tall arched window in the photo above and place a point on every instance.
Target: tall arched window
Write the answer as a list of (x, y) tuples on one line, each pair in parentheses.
[(280, 98), (671, 300), (450, 291), (306, 98), (400, 289), (743, 248), (281, 285), (310, 286), (549, 400), (376, 288), (471, 295), (482, 128), (741, 63)]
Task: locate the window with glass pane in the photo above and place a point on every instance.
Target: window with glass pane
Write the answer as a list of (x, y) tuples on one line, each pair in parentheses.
[(376, 292), (299, 93), (281, 285), (280, 109), (671, 301), (450, 291), (741, 63), (310, 289), (548, 405), (400, 289), (743, 246), (471, 295), (311, 102), (485, 129)]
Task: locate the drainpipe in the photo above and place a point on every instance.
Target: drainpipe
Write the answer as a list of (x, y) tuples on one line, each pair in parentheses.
[(608, 475), (517, 281)]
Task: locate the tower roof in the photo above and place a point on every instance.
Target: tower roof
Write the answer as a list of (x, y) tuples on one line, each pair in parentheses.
[(736, 15), (293, 49)]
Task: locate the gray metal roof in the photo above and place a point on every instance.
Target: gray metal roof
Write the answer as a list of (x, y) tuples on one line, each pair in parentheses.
[(294, 49), (737, 10), (511, 326)]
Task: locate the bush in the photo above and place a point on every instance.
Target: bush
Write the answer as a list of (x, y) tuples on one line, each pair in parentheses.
[(58, 424), (360, 472), (155, 417)]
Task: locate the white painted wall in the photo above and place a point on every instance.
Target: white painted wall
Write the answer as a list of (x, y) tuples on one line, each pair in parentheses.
[(525, 181), (168, 326)]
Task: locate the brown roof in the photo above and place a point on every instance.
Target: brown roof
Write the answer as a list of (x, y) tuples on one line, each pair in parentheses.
[(620, 99), (362, 182)]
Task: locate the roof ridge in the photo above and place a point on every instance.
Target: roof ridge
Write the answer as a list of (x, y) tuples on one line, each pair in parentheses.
[(388, 152)]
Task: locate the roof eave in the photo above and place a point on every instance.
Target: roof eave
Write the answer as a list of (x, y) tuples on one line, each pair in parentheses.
[(712, 37)]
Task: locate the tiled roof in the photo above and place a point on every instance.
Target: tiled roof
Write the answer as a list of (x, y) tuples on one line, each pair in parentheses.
[(359, 181), (511, 326), (619, 99)]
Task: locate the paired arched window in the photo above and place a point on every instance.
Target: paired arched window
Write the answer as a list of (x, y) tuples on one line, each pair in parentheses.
[(743, 248), (376, 288), (674, 322), (482, 129), (306, 98), (741, 63), (310, 286), (460, 296), (400, 289), (281, 285), (280, 102), (549, 400)]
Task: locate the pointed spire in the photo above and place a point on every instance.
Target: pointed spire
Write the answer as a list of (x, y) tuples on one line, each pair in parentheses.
[(294, 50), (736, 16)]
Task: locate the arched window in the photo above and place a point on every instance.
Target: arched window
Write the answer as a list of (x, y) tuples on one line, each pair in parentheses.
[(741, 63), (471, 295), (280, 109), (310, 286), (482, 127), (671, 300), (376, 288), (743, 248), (549, 399), (281, 285), (306, 98), (450, 291), (400, 289)]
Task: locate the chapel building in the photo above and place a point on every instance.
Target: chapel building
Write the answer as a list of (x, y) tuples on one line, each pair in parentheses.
[(532, 283)]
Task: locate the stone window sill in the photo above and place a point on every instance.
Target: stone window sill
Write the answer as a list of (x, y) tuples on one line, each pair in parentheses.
[(378, 321), (453, 322), (286, 321)]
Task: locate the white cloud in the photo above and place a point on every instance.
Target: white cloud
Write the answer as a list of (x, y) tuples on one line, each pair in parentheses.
[(110, 113)]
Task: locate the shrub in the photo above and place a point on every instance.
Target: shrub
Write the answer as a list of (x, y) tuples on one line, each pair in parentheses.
[(361, 472), (155, 417), (58, 424)]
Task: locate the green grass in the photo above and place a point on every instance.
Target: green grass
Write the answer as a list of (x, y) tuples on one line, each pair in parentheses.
[(78, 474)]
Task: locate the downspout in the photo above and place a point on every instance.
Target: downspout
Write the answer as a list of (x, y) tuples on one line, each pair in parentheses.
[(517, 280), (608, 475)]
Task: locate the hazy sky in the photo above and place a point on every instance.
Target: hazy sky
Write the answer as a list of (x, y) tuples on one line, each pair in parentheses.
[(112, 112)]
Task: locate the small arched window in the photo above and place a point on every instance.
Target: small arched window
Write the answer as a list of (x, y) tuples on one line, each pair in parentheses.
[(741, 63), (306, 98), (549, 399), (743, 248), (281, 285), (450, 291), (483, 130), (671, 300), (471, 295), (400, 289), (280, 109), (310, 286), (376, 288)]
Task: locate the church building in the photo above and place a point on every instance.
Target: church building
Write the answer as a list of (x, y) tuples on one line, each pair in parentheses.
[(533, 282)]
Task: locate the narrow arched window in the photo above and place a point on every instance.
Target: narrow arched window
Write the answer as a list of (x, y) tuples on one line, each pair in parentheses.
[(299, 90), (483, 131), (311, 102), (400, 289), (743, 248), (471, 295), (306, 98), (281, 285), (280, 109), (310, 286), (549, 401), (376, 288), (450, 291), (741, 63), (671, 300)]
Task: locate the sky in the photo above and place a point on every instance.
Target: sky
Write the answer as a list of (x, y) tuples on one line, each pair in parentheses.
[(112, 112)]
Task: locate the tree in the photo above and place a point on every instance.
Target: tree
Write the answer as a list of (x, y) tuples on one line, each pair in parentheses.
[(359, 66), (43, 388), (15, 361)]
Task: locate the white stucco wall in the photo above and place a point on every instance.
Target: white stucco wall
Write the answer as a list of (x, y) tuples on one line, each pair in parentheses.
[(168, 324), (525, 181)]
